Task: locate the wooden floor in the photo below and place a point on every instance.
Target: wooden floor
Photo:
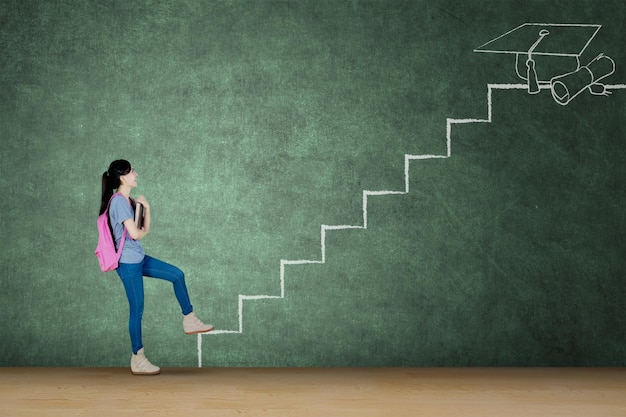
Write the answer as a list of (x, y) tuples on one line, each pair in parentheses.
[(318, 392)]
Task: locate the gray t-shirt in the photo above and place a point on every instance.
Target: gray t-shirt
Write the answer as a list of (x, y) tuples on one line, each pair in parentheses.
[(120, 211)]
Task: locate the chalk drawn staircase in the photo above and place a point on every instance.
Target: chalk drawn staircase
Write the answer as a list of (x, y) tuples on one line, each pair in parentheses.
[(366, 194)]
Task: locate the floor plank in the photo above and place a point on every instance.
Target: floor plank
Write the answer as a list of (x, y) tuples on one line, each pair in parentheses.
[(433, 392)]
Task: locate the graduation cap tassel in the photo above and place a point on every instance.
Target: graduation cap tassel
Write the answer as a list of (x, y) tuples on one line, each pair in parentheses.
[(531, 76), (531, 73)]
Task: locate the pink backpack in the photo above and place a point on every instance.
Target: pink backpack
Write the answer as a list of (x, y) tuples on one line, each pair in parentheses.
[(105, 251)]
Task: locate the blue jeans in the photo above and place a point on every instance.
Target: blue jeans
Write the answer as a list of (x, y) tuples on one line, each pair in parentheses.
[(132, 278)]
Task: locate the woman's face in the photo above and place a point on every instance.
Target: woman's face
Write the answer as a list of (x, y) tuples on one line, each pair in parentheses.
[(129, 179)]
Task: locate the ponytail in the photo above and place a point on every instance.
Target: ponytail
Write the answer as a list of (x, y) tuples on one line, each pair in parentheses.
[(107, 192), (111, 180)]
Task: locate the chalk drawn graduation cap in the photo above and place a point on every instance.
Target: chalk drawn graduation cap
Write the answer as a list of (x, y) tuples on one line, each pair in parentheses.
[(548, 55)]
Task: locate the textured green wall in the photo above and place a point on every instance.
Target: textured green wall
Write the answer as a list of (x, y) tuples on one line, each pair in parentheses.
[(251, 124)]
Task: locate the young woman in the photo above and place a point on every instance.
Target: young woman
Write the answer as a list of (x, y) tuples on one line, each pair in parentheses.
[(135, 264)]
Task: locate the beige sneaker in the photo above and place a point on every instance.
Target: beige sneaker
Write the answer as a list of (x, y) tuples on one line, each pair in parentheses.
[(193, 325), (140, 365)]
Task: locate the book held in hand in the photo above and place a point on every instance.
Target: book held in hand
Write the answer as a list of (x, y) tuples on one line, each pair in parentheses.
[(139, 215)]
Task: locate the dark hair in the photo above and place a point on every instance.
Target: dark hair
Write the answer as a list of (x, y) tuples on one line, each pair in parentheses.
[(111, 180)]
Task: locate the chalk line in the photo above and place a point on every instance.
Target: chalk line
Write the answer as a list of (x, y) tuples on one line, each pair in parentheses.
[(366, 194)]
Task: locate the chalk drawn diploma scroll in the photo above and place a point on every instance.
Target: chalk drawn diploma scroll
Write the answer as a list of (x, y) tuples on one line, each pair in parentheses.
[(548, 55)]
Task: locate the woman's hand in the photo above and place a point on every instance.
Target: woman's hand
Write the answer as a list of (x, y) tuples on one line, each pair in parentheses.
[(142, 200)]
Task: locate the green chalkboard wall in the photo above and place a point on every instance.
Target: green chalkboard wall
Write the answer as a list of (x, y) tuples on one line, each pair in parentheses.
[(253, 123)]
